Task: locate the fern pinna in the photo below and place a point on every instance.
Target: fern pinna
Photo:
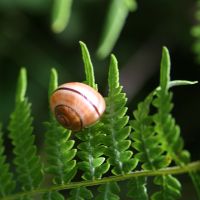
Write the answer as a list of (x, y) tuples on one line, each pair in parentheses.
[(27, 162), (116, 133), (59, 149), (156, 137), (114, 145), (165, 125), (91, 150)]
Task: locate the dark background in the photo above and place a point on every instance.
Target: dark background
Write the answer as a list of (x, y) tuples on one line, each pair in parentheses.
[(27, 40)]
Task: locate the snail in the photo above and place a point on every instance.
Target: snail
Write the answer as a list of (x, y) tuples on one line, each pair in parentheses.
[(76, 105)]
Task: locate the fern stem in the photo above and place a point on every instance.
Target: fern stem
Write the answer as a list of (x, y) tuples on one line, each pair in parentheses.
[(193, 166)]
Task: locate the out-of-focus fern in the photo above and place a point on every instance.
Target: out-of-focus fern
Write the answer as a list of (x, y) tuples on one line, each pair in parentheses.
[(61, 14), (195, 31), (115, 127), (7, 184), (114, 23), (28, 165), (59, 149)]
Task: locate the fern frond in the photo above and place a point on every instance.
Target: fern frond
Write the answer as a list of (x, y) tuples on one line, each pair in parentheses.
[(28, 165), (108, 191), (171, 188), (116, 130), (89, 71), (115, 125), (165, 124), (146, 141), (115, 20), (137, 188), (90, 147), (7, 184), (59, 149), (80, 193)]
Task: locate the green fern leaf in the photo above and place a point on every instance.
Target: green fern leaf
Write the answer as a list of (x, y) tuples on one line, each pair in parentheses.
[(115, 21), (165, 124), (170, 188), (109, 191), (81, 193), (59, 148), (7, 184), (137, 188), (90, 147), (89, 71), (146, 142), (28, 165), (115, 125), (116, 130)]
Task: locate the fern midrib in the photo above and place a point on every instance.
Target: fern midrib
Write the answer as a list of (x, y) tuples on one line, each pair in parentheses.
[(90, 157), (119, 164), (28, 172), (116, 152), (106, 191), (60, 167), (142, 138), (167, 145)]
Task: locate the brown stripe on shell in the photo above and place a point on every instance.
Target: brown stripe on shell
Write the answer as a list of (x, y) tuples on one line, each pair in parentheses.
[(77, 92)]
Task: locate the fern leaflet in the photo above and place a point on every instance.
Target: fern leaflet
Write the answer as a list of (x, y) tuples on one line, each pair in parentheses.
[(115, 125), (90, 148), (137, 188), (116, 17), (28, 165), (109, 191), (116, 129), (165, 124), (170, 188), (80, 193), (59, 149)]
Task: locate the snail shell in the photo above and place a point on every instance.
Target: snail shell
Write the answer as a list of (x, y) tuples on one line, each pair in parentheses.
[(76, 105)]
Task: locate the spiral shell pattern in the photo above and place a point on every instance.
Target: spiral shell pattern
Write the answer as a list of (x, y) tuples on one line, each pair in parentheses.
[(76, 105)]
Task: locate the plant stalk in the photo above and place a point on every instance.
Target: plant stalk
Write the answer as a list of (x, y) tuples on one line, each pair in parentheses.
[(193, 166)]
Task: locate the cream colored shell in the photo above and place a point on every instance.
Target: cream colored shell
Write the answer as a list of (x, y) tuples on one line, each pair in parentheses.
[(76, 105)]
